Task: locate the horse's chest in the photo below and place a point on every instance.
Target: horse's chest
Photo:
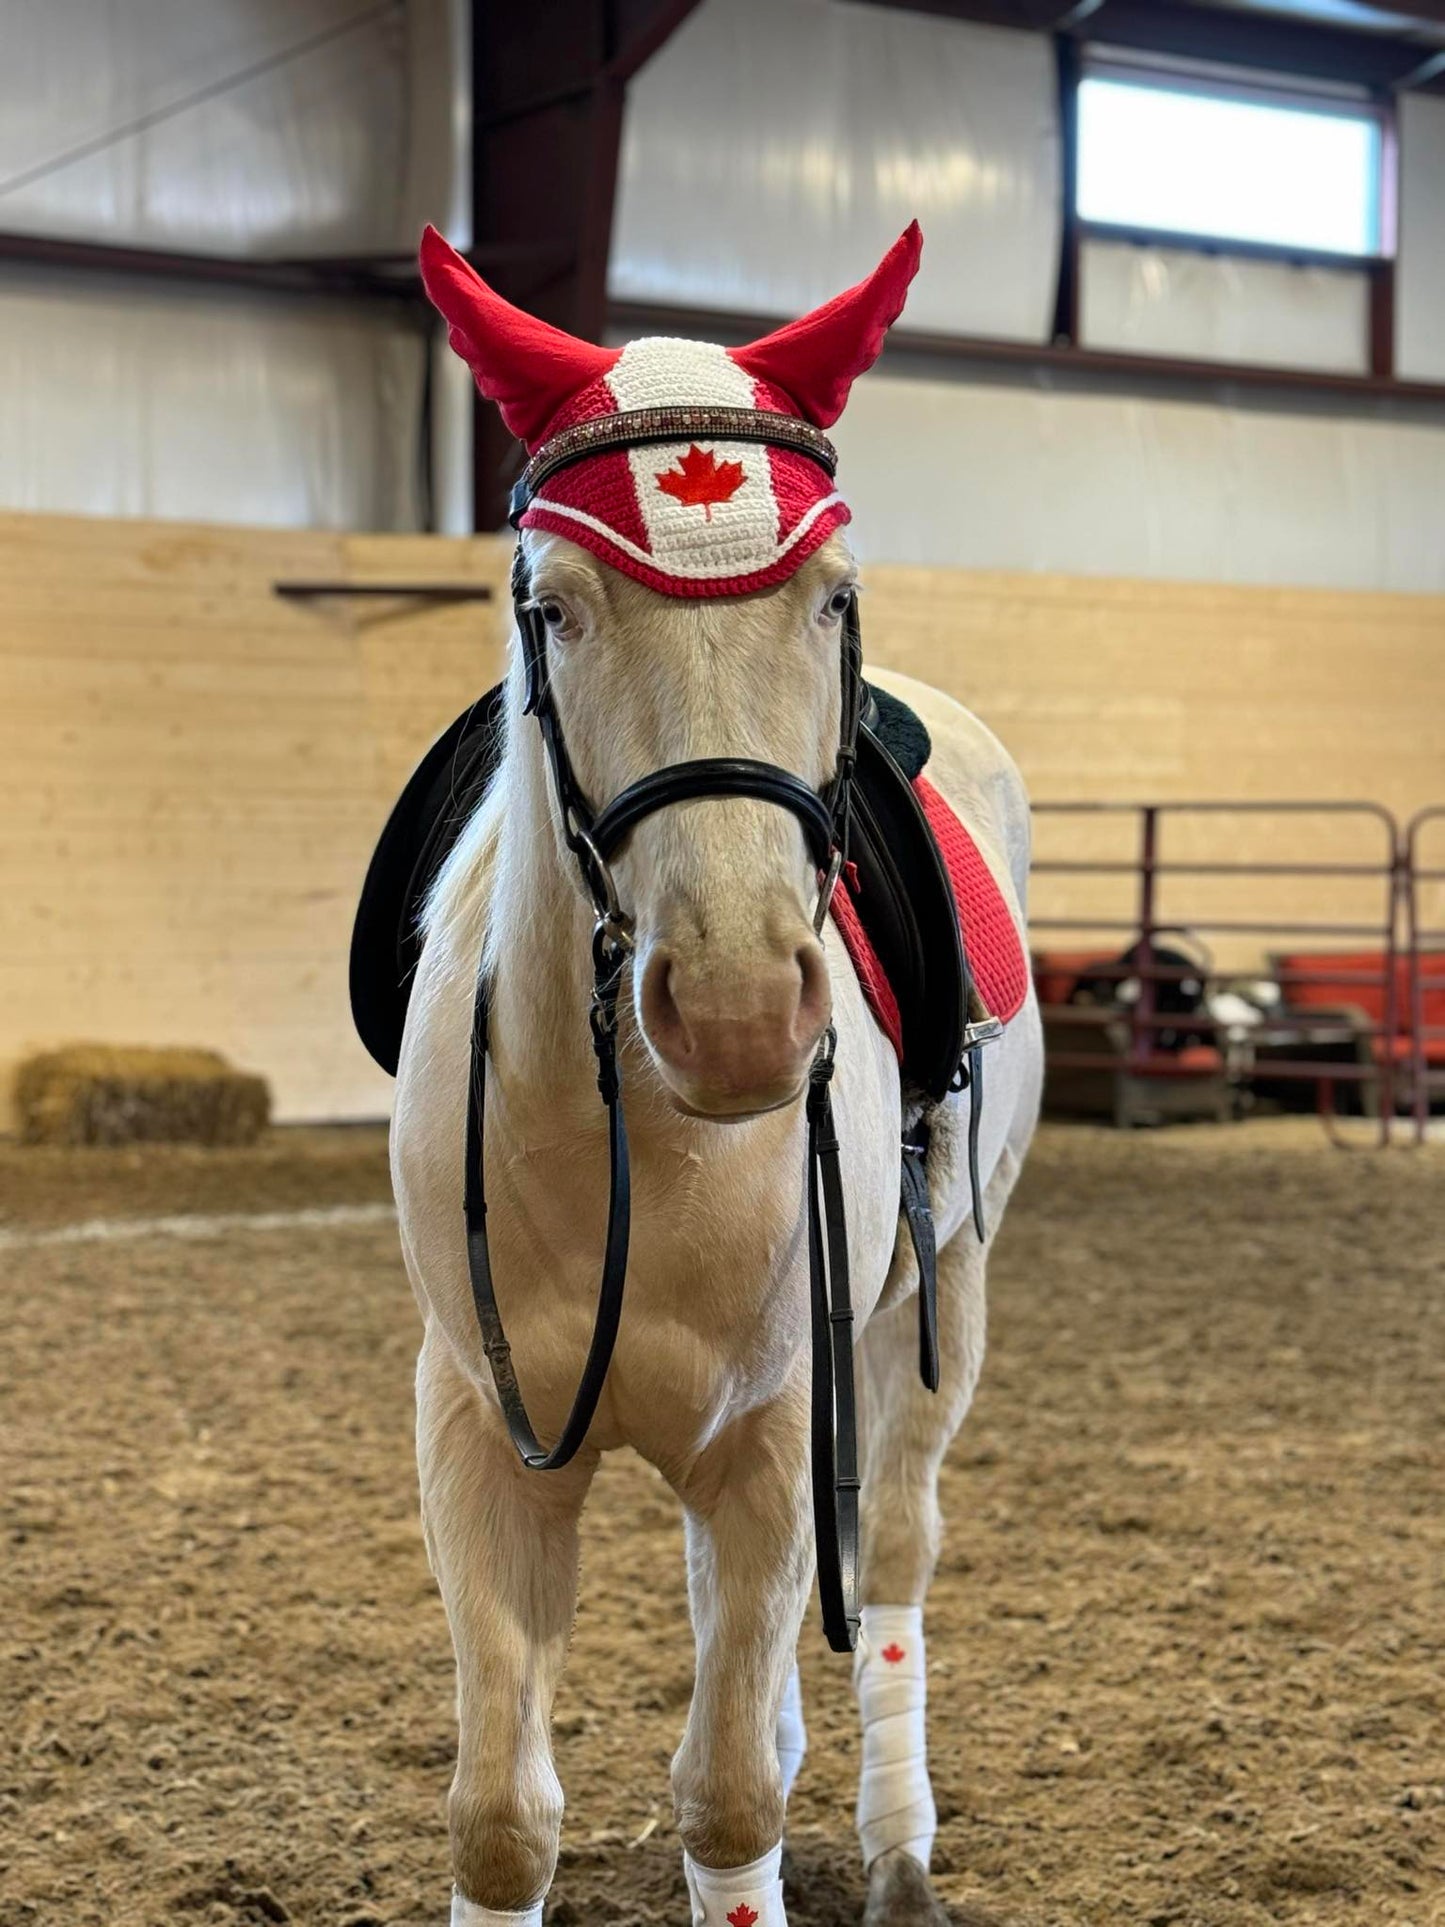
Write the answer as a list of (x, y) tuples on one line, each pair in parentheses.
[(717, 1294)]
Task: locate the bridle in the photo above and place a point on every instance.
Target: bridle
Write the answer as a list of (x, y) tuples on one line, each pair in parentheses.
[(594, 838)]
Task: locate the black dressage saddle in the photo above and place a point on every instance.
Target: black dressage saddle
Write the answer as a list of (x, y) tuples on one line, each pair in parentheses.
[(898, 882)]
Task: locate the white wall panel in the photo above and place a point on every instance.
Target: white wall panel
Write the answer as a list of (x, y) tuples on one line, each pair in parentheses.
[(256, 125), (969, 474), (207, 406), (1420, 270), (774, 148), (439, 123), (1173, 301)]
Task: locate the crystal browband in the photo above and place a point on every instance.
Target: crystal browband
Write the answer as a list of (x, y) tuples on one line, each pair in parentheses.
[(637, 427)]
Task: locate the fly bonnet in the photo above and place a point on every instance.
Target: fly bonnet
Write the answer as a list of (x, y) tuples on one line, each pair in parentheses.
[(698, 470)]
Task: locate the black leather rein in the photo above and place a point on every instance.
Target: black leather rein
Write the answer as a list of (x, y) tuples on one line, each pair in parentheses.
[(594, 837)]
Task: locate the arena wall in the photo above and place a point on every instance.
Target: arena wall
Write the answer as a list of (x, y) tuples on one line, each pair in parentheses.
[(194, 769)]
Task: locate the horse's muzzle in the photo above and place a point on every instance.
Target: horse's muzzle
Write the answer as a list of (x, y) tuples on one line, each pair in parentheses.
[(732, 1045)]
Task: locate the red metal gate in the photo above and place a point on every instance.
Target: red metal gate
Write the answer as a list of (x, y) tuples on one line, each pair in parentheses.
[(1426, 951), (1382, 979)]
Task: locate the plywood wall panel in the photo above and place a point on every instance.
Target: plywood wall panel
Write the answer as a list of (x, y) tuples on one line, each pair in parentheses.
[(1210, 690), (193, 771), (1109, 690), (192, 775)]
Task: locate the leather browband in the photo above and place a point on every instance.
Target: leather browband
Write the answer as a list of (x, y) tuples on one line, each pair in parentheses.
[(639, 427)]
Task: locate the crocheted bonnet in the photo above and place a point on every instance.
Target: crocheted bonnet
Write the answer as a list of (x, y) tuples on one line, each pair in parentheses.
[(687, 513)]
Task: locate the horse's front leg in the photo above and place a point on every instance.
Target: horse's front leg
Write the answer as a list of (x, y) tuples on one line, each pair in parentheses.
[(503, 1546), (750, 1562), (906, 1432)]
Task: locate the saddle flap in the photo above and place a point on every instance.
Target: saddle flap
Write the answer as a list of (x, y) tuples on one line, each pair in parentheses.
[(902, 893), (386, 940)]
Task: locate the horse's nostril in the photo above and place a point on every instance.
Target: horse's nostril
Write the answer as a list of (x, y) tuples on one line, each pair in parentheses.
[(661, 1016)]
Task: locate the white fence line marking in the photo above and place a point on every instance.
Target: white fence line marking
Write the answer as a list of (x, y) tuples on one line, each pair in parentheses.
[(199, 1225)]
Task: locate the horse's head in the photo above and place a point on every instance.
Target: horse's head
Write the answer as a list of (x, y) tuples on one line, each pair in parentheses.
[(730, 984), (683, 594)]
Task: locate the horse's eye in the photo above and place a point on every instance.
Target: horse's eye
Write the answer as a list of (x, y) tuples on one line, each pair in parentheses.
[(553, 614), (838, 603)]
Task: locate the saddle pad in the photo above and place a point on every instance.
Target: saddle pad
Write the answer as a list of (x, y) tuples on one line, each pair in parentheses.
[(995, 951)]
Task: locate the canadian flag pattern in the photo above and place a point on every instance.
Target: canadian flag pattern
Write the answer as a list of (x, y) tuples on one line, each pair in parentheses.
[(694, 518), (715, 518), (895, 1800), (750, 1896)]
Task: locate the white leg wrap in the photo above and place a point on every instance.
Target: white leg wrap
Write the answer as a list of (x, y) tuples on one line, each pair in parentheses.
[(750, 1896), (467, 1913), (792, 1734), (895, 1800)]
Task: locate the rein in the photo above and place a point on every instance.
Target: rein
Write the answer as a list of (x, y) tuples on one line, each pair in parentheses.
[(594, 838)]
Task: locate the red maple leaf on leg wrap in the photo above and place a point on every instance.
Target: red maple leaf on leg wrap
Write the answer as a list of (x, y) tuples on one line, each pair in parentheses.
[(893, 1654), (742, 1916), (701, 479)]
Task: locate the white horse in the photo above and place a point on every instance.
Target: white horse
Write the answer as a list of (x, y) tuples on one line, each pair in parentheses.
[(728, 994)]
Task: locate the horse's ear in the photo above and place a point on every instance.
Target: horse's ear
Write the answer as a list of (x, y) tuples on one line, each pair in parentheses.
[(527, 367), (817, 358)]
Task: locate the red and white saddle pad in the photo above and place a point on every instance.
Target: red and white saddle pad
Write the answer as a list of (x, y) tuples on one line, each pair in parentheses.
[(991, 939)]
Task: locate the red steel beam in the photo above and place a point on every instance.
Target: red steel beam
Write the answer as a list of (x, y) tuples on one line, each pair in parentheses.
[(548, 88)]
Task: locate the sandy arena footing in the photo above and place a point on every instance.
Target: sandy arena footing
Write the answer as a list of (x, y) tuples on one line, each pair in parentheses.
[(1188, 1641)]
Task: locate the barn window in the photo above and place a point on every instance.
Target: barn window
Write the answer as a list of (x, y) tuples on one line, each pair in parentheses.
[(1231, 163)]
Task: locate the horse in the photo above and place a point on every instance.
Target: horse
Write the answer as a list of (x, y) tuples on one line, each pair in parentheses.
[(730, 981)]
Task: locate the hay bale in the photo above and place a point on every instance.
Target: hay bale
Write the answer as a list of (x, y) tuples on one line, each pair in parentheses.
[(118, 1094)]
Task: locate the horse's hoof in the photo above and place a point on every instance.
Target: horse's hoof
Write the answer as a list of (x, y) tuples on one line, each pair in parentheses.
[(900, 1895)]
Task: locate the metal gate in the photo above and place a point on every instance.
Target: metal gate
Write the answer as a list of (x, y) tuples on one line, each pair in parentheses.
[(1389, 985), (1423, 864)]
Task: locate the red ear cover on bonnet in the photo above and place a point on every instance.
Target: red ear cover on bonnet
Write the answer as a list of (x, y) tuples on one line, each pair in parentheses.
[(817, 358), (527, 367)]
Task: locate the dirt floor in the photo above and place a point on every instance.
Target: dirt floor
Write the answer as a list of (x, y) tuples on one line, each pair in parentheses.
[(1188, 1641)]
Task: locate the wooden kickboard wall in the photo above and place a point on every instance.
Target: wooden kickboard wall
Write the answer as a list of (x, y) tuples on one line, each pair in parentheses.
[(193, 774), (193, 770), (1109, 690)]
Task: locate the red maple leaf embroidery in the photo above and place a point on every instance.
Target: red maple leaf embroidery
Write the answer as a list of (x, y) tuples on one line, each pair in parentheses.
[(742, 1915), (893, 1654), (701, 479)]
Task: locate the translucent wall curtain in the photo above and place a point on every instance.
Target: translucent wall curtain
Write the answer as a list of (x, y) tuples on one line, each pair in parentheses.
[(233, 127), (1176, 301), (207, 405), (1222, 487), (1420, 275), (774, 148), (251, 128)]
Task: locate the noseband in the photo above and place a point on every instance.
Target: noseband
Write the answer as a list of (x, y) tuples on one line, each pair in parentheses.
[(594, 838)]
